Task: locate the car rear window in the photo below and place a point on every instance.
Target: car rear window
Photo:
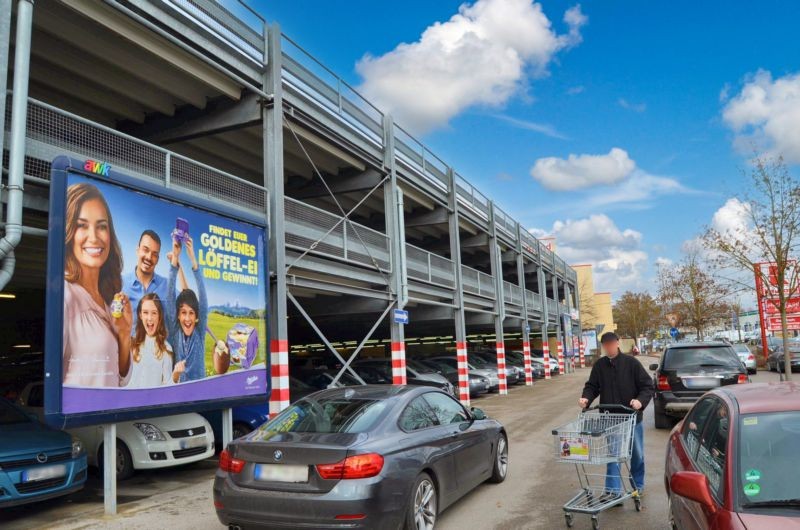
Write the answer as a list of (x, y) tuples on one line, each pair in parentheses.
[(701, 356), (332, 415)]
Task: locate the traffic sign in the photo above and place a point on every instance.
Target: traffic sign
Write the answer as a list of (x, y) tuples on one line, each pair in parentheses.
[(673, 332), (400, 316)]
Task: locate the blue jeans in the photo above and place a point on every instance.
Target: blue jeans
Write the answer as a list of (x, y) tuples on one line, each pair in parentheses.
[(613, 478)]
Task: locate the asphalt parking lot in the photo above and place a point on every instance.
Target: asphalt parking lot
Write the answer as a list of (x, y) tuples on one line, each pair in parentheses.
[(531, 497)]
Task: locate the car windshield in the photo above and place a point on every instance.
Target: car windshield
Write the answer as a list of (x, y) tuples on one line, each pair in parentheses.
[(419, 367), (768, 459), (478, 361), (445, 368), (9, 414), (680, 358), (321, 415)]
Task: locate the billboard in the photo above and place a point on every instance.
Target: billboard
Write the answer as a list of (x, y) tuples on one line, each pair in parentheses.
[(157, 299)]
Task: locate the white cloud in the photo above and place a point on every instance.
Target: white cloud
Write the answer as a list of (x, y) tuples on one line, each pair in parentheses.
[(478, 57), (638, 190), (583, 171), (575, 90), (544, 128), (663, 262), (635, 107), (765, 114), (733, 218), (618, 261)]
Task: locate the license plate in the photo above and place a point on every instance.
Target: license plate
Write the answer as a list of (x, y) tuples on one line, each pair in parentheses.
[(701, 382), (281, 473), (44, 473), (191, 443)]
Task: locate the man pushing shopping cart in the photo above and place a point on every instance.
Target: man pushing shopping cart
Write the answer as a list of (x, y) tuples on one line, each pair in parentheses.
[(608, 436), (620, 379)]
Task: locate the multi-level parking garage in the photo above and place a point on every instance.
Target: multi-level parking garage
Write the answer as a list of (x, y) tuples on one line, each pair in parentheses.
[(364, 219)]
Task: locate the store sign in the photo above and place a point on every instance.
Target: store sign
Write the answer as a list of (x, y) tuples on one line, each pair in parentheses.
[(792, 306), (792, 323), (157, 300)]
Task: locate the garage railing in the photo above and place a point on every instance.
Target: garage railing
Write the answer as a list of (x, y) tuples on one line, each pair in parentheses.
[(533, 301), (429, 267), (512, 293), (51, 132), (477, 282), (316, 231), (552, 308)]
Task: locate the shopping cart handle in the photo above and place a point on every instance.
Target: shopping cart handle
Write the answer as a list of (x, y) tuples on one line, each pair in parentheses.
[(611, 406)]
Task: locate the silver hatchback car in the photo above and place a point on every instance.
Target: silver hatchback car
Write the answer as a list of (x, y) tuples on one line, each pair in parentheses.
[(746, 356)]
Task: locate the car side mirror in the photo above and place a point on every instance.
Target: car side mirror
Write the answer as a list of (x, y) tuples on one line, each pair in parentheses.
[(478, 414), (653, 367), (693, 486)]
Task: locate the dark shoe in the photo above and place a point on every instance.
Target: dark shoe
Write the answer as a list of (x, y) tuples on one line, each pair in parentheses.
[(609, 497)]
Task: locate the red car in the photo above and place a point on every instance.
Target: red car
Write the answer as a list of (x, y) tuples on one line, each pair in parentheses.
[(734, 460)]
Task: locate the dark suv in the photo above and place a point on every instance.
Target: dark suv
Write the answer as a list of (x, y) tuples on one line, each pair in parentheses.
[(687, 371)]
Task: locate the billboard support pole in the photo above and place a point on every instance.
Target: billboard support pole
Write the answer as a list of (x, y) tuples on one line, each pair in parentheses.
[(110, 468), (227, 427)]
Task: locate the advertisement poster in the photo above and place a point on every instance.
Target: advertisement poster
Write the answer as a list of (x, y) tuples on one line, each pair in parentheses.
[(164, 303), (574, 448)]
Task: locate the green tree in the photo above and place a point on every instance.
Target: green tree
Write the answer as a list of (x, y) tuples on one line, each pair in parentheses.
[(636, 314)]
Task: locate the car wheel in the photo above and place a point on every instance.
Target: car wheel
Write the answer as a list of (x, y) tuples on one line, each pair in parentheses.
[(124, 460), (423, 504), (241, 429), (500, 468), (662, 421)]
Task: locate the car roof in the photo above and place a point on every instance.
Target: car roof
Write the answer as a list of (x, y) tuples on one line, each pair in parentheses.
[(367, 391), (764, 397), (706, 344)]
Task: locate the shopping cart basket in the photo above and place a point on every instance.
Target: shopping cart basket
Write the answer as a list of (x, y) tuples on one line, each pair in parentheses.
[(597, 437)]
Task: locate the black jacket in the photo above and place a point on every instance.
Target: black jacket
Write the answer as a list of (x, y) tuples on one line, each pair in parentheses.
[(619, 381)]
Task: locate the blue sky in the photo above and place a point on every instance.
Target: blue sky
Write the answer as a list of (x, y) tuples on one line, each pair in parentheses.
[(681, 92), (127, 209)]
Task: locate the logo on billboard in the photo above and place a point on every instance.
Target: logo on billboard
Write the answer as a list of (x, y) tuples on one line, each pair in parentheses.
[(98, 168), (277, 455), (252, 379)]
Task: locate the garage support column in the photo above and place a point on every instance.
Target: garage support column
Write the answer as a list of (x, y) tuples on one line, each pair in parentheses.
[(545, 320), (272, 123), (458, 292), (559, 330), (5, 44), (526, 344), (499, 301), (393, 206)]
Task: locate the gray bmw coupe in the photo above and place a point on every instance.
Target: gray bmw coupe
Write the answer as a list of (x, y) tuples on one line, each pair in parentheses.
[(359, 457)]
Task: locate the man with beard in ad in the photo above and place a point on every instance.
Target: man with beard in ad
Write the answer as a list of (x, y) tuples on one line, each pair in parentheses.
[(144, 279)]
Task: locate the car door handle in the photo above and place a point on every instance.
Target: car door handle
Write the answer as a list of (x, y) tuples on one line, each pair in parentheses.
[(454, 435)]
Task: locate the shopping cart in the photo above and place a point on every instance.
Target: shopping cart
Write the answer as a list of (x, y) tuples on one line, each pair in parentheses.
[(596, 438)]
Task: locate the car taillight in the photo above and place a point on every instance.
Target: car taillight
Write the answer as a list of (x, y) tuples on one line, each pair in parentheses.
[(663, 383), (230, 464), (356, 466), (742, 379), (751, 358)]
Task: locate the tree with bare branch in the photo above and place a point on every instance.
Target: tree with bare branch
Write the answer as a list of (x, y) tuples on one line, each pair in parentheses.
[(771, 207), (690, 289)]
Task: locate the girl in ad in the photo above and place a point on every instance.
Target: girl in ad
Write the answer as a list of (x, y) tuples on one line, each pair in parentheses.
[(151, 353), (97, 315), (187, 317)]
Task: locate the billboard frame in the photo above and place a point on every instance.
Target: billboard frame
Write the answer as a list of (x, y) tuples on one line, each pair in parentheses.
[(54, 307)]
